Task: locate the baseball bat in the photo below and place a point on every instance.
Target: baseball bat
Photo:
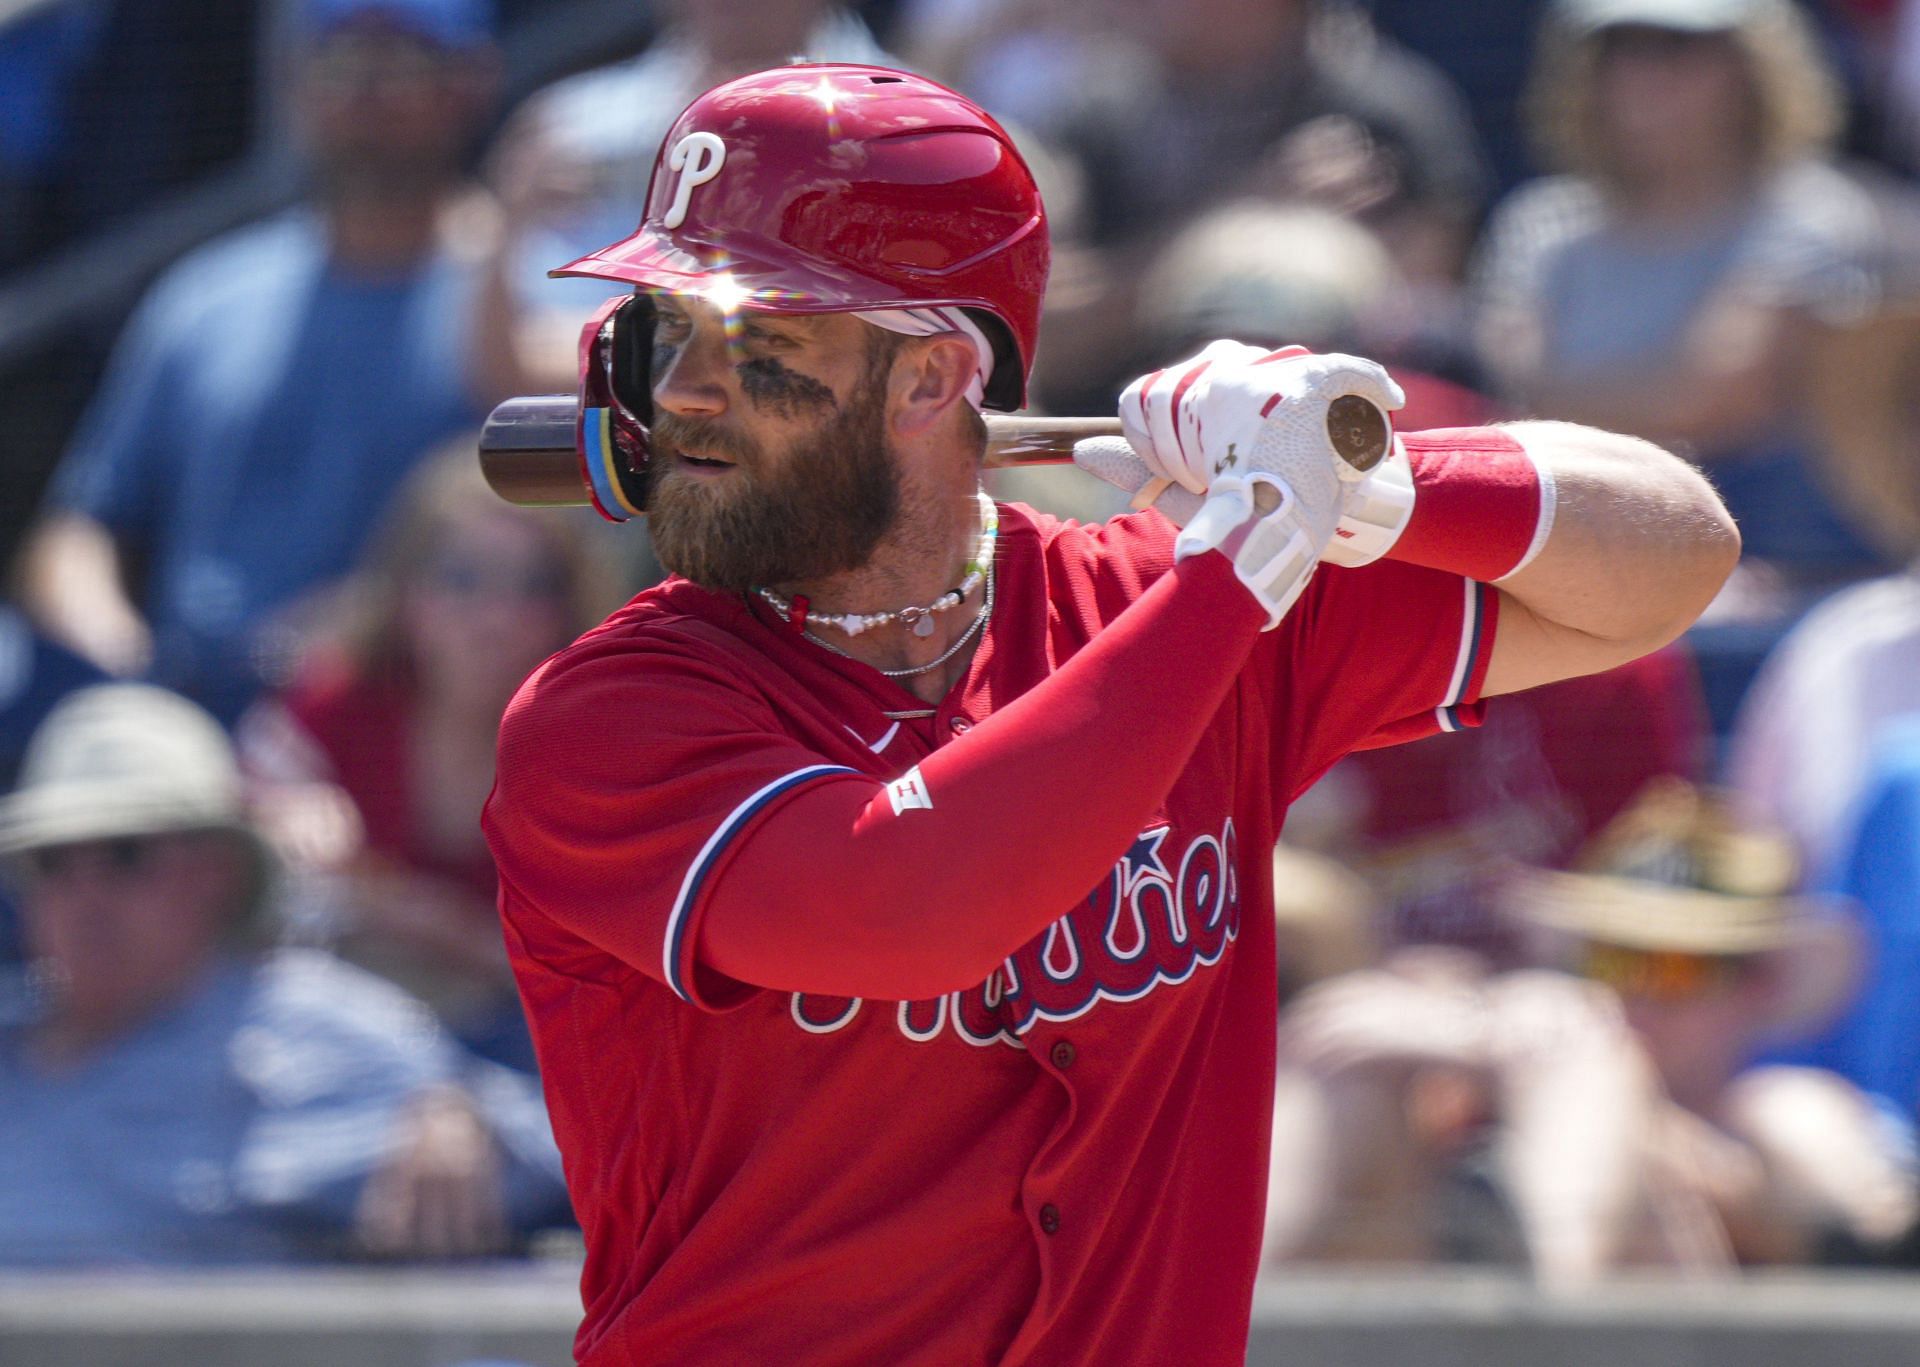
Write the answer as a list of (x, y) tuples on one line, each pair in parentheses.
[(530, 456)]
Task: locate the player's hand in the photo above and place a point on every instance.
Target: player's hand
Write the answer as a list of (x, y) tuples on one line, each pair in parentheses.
[(1234, 409), (1373, 511), (1254, 436), (1159, 416), (1150, 410)]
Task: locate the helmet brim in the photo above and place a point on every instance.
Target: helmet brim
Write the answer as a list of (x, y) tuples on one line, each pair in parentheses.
[(755, 273)]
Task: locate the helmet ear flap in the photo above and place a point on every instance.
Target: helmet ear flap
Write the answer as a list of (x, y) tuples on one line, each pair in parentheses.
[(616, 405), (630, 362), (1006, 382)]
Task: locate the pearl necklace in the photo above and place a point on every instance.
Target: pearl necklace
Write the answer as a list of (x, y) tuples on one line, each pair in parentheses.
[(959, 642), (918, 620), (921, 619)]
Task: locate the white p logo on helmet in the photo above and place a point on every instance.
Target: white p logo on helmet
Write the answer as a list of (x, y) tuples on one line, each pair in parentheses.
[(698, 158)]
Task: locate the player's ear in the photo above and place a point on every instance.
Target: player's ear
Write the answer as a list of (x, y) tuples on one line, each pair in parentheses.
[(930, 375)]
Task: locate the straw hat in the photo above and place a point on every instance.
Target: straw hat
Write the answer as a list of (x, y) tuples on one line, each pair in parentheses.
[(1677, 872)]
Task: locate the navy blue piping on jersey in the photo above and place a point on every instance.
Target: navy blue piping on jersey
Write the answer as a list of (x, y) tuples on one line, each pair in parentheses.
[(709, 856)]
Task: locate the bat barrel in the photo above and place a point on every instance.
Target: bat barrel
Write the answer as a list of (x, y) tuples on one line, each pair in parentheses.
[(530, 454)]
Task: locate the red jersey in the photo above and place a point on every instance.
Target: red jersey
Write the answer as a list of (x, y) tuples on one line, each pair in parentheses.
[(1065, 1162)]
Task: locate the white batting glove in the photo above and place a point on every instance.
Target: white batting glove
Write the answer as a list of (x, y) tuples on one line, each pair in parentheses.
[(1114, 460), (1234, 408), (1276, 551), (1374, 510), (1157, 416)]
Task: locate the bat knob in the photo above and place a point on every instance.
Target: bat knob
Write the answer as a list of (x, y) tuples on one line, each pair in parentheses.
[(1358, 431)]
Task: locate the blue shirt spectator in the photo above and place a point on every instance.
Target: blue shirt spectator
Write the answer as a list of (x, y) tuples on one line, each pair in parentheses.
[(176, 1092), (240, 1125), (278, 384), (1876, 1044), (260, 411)]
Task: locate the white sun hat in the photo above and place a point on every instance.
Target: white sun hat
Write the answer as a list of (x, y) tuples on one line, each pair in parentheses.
[(123, 759)]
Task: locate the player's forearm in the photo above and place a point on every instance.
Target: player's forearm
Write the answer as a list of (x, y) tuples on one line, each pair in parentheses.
[(1639, 546), (885, 898)]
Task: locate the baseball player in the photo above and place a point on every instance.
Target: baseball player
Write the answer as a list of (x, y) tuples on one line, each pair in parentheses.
[(887, 888)]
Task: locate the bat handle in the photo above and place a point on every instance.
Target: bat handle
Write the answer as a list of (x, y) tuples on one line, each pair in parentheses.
[(1018, 439)]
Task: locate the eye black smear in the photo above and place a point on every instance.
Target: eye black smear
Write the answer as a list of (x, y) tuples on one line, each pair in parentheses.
[(782, 392)]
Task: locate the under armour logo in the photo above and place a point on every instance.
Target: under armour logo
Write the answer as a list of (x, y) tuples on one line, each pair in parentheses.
[(1225, 462), (698, 158)]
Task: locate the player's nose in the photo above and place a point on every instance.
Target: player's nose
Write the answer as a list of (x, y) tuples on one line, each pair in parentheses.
[(691, 379)]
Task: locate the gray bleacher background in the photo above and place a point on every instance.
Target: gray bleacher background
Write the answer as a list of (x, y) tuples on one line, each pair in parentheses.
[(378, 1317)]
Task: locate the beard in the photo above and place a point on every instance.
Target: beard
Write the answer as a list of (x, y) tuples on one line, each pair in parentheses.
[(819, 510)]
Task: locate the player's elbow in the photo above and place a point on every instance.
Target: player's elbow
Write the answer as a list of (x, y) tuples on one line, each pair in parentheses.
[(1700, 568), (1671, 557)]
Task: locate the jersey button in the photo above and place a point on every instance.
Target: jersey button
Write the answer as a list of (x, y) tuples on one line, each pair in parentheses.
[(961, 725), (1050, 1218), (1061, 1054)]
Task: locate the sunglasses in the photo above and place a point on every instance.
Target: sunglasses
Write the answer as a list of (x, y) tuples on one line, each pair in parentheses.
[(124, 856), (1661, 974)]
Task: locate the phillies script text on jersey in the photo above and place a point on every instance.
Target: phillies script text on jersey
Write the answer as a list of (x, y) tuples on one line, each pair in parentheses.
[(1160, 915)]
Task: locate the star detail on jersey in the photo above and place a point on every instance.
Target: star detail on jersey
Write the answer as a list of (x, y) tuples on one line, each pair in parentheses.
[(1143, 857)]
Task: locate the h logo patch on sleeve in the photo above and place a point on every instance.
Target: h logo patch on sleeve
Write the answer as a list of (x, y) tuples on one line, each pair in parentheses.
[(909, 790)]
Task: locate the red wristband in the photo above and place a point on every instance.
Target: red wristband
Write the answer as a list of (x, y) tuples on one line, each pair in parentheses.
[(1481, 507)]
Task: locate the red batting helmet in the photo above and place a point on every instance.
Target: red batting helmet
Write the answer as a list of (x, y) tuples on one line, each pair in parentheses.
[(825, 188)]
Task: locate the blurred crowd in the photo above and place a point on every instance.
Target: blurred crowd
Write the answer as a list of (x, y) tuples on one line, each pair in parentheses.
[(1629, 977)]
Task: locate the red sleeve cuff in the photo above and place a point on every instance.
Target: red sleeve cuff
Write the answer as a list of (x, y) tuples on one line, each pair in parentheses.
[(1479, 503)]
